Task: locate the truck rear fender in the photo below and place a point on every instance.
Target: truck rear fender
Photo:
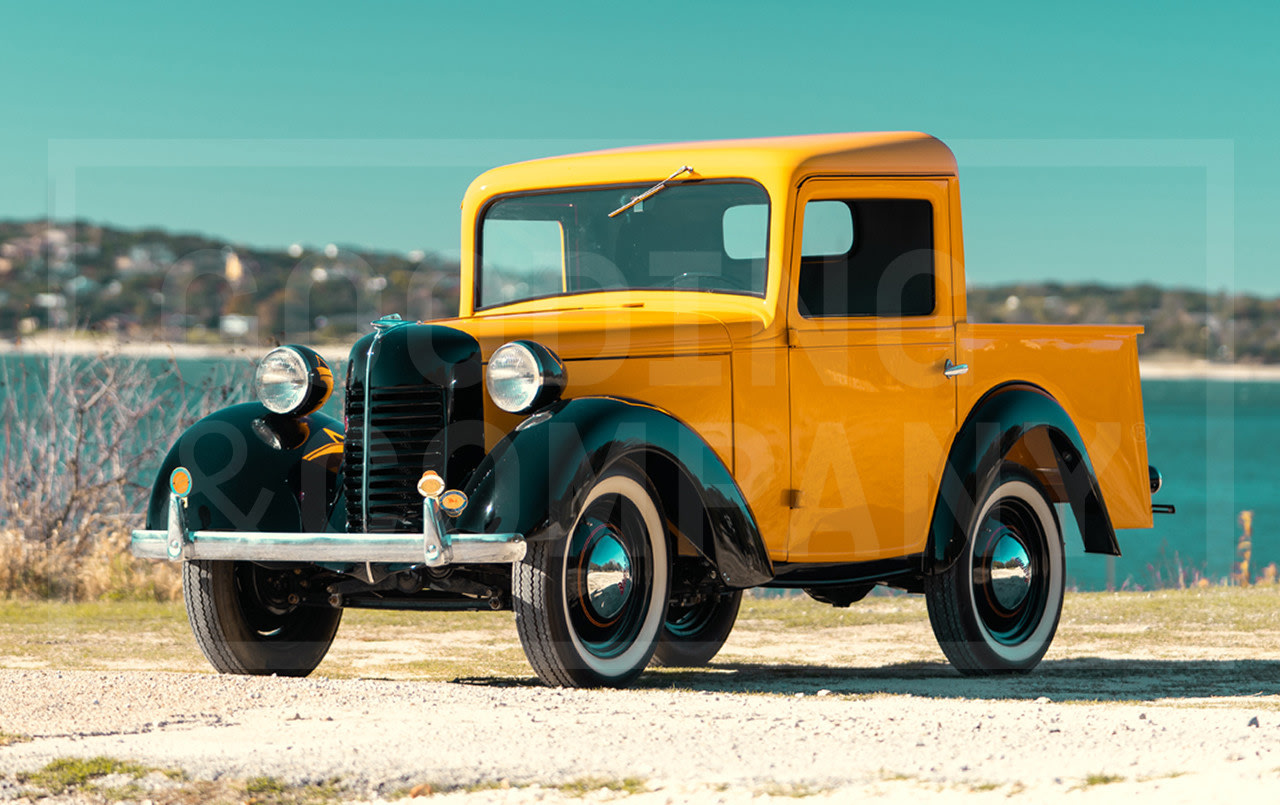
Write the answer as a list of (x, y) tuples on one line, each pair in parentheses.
[(532, 481), (1000, 420), (252, 470)]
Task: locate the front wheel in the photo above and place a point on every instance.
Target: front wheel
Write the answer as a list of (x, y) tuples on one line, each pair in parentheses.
[(248, 619), (996, 609), (589, 609)]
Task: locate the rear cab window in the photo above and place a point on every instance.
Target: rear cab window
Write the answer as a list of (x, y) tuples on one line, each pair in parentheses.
[(867, 257)]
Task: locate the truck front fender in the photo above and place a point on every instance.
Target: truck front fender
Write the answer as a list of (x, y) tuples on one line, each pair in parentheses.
[(996, 424), (534, 479), (252, 470)]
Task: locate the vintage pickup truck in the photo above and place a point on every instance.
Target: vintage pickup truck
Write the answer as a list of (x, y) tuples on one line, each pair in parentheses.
[(677, 372)]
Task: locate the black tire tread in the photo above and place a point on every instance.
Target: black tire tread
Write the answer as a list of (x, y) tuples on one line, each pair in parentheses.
[(213, 611), (533, 624), (942, 601), (197, 591)]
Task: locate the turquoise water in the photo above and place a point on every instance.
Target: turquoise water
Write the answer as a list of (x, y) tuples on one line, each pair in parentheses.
[(1215, 442)]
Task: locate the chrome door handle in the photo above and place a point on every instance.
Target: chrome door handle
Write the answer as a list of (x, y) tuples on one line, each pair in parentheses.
[(954, 369)]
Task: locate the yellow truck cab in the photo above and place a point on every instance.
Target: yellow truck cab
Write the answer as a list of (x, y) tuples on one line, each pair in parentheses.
[(677, 372)]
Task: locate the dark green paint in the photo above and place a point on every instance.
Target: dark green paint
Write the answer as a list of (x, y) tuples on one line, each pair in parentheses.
[(409, 354), (996, 424), (534, 479), (248, 472)]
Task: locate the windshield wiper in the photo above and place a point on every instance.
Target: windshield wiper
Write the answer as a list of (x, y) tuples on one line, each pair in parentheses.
[(651, 191)]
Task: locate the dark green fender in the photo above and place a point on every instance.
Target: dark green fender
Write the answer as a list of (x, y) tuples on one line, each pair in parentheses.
[(532, 481), (1005, 415), (253, 470)]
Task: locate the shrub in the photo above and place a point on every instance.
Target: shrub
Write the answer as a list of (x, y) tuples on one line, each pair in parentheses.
[(81, 438)]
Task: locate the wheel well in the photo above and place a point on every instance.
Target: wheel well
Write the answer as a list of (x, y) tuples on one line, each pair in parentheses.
[(682, 507), (1034, 453), (685, 513), (1023, 424)]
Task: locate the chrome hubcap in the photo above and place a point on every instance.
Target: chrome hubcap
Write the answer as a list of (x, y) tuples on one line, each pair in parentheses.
[(608, 577), (1010, 571)]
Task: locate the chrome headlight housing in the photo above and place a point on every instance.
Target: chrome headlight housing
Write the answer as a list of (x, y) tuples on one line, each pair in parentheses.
[(293, 380), (523, 376)]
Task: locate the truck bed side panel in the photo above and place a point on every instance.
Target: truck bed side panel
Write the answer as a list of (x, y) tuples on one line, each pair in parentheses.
[(1092, 371)]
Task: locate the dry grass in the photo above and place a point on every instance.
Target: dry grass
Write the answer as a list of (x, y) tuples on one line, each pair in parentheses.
[(97, 636), (1191, 639), (102, 569), (64, 774), (106, 779), (78, 779)]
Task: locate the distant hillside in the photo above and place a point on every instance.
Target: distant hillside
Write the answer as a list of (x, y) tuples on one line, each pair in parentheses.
[(190, 287), (1178, 321)]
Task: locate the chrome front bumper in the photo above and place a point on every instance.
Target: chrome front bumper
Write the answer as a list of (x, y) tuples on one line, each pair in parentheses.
[(434, 547)]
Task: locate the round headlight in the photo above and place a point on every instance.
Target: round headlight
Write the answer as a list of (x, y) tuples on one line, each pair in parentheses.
[(293, 380), (524, 375)]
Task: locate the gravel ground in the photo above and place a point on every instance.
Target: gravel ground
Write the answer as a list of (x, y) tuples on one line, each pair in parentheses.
[(710, 745)]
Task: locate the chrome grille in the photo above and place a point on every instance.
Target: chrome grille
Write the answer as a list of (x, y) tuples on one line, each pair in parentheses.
[(404, 423)]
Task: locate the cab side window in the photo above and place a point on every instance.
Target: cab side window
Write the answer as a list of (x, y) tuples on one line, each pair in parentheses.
[(867, 257)]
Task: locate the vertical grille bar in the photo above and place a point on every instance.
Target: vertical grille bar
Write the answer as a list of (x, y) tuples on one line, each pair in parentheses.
[(390, 443)]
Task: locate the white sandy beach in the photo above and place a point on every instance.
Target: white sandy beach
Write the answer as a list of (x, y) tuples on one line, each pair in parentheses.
[(46, 344), (1190, 369)]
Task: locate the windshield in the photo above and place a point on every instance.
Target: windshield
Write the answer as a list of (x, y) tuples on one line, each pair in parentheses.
[(703, 236)]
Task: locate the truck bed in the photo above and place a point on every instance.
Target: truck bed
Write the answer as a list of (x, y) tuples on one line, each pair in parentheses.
[(1092, 371)]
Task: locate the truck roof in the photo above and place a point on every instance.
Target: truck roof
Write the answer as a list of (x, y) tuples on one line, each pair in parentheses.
[(895, 153)]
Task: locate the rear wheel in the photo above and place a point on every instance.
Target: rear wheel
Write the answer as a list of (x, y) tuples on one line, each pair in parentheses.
[(694, 634), (997, 608), (248, 619), (589, 609)]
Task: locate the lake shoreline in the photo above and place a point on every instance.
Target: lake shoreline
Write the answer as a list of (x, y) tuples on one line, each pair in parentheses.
[(1162, 368), (1193, 369), (49, 346)]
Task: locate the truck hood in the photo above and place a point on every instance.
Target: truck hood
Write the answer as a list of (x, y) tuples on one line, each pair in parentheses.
[(594, 333)]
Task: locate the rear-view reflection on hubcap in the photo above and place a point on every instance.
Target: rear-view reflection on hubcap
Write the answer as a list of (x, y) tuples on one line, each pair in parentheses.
[(1010, 571), (608, 576)]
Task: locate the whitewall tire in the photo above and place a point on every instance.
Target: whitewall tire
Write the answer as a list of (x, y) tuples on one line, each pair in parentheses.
[(996, 609), (589, 608)]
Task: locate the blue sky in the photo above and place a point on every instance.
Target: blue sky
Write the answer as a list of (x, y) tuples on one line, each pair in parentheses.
[(1095, 143)]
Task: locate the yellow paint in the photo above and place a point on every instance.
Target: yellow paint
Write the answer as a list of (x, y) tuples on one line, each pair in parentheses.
[(1092, 371), (333, 448), (850, 420), (326, 377), (780, 164), (871, 413)]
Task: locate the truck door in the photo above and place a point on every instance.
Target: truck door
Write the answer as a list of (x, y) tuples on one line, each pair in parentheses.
[(870, 333)]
